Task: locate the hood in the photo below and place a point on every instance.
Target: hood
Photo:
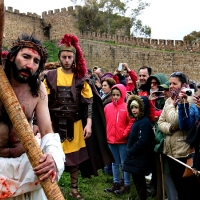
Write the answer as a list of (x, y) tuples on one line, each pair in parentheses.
[(143, 104), (160, 77), (122, 90)]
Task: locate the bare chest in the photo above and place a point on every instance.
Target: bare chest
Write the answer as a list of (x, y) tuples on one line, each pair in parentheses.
[(27, 102)]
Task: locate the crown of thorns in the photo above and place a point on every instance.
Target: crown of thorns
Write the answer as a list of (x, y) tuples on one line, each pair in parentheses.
[(37, 47)]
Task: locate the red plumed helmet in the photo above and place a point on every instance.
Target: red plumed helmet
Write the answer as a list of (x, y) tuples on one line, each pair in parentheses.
[(71, 43), (4, 54)]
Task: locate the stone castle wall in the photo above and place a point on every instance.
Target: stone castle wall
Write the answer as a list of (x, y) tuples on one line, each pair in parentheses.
[(51, 26), (162, 55), (17, 23), (158, 44), (61, 22), (109, 56)]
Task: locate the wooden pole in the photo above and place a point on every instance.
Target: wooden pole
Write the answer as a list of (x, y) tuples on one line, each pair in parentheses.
[(25, 133), (182, 163), (162, 175), (2, 13)]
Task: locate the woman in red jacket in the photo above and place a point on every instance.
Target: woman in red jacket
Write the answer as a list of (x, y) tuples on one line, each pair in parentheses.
[(118, 126)]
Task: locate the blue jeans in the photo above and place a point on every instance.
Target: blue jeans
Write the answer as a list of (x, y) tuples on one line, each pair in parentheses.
[(119, 153)]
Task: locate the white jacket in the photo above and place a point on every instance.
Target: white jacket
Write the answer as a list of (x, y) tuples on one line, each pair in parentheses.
[(174, 144)]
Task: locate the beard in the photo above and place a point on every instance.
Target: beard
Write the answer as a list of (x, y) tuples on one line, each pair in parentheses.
[(20, 78), (66, 67)]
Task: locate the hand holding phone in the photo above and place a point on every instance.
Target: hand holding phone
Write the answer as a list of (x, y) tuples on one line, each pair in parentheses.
[(128, 92), (196, 98), (119, 67), (159, 94)]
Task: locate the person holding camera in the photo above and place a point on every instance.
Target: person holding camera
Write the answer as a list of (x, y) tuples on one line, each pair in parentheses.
[(131, 78), (189, 119), (155, 95), (174, 143), (128, 78)]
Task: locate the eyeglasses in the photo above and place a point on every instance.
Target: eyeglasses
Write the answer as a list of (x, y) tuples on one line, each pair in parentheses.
[(176, 74), (154, 83), (198, 87)]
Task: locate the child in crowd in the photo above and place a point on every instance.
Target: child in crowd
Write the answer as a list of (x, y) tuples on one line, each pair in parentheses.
[(139, 153), (118, 126)]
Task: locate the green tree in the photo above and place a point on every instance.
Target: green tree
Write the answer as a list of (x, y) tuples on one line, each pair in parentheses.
[(52, 50), (140, 30), (193, 36), (137, 27), (88, 18), (112, 16), (111, 7)]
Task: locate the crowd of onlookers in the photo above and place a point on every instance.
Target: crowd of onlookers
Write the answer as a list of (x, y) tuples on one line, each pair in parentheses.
[(152, 123)]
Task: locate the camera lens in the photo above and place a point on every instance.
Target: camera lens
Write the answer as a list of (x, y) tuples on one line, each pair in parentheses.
[(188, 92)]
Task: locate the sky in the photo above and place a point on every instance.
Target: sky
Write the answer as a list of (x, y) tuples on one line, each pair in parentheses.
[(168, 19)]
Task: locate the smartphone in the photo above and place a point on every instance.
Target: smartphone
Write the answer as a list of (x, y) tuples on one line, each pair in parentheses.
[(159, 93), (119, 67), (196, 96), (128, 92)]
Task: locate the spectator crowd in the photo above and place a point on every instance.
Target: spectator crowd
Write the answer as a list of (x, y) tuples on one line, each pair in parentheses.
[(170, 108)]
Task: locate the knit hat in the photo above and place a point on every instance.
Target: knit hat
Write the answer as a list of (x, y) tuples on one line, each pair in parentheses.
[(135, 104)]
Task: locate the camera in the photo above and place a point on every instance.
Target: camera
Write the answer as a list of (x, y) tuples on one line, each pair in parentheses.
[(189, 92)]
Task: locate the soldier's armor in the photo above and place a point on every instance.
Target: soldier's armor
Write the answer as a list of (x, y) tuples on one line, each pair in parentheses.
[(64, 111), (66, 105)]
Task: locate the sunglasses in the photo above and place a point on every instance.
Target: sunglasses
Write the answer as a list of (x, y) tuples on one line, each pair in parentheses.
[(198, 87), (176, 74), (154, 83)]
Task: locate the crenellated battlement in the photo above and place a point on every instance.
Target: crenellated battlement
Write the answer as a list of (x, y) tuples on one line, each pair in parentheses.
[(159, 44), (68, 10), (15, 11)]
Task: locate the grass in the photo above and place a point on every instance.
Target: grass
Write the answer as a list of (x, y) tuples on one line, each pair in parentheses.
[(93, 189)]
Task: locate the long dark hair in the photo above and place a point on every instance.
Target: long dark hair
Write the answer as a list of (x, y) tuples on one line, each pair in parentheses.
[(34, 81)]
